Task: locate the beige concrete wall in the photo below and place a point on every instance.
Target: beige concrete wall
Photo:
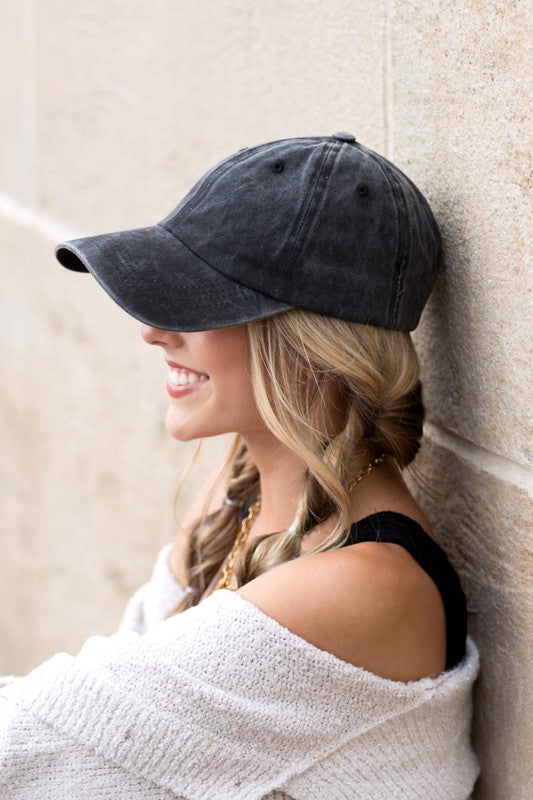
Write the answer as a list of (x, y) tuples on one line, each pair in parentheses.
[(111, 111)]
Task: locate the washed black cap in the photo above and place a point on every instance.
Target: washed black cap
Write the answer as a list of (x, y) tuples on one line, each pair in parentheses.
[(319, 222)]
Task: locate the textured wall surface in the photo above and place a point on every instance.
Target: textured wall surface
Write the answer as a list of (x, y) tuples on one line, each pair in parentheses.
[(111, 112), (458, 76)]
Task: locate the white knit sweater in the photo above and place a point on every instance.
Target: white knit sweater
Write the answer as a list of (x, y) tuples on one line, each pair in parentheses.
[(222, 702)]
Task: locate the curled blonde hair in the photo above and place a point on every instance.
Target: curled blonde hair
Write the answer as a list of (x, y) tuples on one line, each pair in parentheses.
[(329, 390)]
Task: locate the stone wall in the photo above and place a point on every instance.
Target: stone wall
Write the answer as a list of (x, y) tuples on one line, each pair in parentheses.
[(111, 112)]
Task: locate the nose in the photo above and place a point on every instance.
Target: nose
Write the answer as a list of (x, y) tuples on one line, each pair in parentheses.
[(148, 333), (158, 336)]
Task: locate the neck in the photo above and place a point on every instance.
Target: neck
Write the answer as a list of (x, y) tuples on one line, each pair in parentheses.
[(281, 476)]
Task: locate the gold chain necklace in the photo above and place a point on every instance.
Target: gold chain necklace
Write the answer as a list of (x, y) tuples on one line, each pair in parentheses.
[(246, 524)]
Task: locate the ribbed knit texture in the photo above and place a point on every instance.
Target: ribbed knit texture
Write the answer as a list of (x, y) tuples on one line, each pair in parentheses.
[(154, 600), (222, 702)]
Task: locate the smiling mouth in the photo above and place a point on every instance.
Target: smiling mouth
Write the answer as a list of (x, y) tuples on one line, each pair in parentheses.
[(184, 377)]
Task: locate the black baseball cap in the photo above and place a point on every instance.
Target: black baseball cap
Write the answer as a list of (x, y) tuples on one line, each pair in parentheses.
[(319, 222)]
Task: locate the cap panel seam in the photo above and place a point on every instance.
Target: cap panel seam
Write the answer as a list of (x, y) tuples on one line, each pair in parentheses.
[(403, 254), (401, 260), (218, 171), (298, 249)]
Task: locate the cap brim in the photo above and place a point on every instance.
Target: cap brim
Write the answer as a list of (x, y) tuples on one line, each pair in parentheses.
[(158, 280)]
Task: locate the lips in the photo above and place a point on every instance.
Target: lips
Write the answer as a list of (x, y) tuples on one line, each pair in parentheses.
[(182, 380)]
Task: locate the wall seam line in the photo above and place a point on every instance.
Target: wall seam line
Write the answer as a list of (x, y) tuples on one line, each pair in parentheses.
[(387, 82), (495, 464), (12, 210)]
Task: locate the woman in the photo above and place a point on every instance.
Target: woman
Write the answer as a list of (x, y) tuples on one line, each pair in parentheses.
[(305, 636)]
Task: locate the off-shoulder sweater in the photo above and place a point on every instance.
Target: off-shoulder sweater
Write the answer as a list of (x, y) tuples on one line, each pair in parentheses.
[(221, 702)]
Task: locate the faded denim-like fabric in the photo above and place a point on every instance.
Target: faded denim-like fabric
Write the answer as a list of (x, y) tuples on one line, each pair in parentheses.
[(318, 222)]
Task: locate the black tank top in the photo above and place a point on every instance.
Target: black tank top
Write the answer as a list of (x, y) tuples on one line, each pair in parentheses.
[(391, 526)]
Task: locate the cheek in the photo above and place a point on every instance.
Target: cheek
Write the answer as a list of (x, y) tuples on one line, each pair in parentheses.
[(233, 391), (225, 357), (244, 394)]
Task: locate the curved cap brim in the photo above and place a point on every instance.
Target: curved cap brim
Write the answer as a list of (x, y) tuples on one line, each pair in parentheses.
[(158, 280)]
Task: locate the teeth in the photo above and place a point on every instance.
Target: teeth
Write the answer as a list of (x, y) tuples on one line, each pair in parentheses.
[(180, 377)]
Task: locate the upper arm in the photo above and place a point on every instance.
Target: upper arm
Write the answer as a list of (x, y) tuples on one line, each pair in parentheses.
[(360, 607)]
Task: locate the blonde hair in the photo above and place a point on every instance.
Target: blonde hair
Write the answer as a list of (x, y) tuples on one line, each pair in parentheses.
[(303, 366)]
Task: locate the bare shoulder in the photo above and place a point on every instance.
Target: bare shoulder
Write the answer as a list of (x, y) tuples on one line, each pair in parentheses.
[(365, 604)]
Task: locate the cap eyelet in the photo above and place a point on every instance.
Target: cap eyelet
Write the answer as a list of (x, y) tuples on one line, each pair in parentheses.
[(277, 166), (362, 190)]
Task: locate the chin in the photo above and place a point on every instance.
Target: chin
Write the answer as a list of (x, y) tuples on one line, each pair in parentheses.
[(186, 433), (176, 430), (180, 434)]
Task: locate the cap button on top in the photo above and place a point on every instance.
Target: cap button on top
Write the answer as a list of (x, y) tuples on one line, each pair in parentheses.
[(343, 136)]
